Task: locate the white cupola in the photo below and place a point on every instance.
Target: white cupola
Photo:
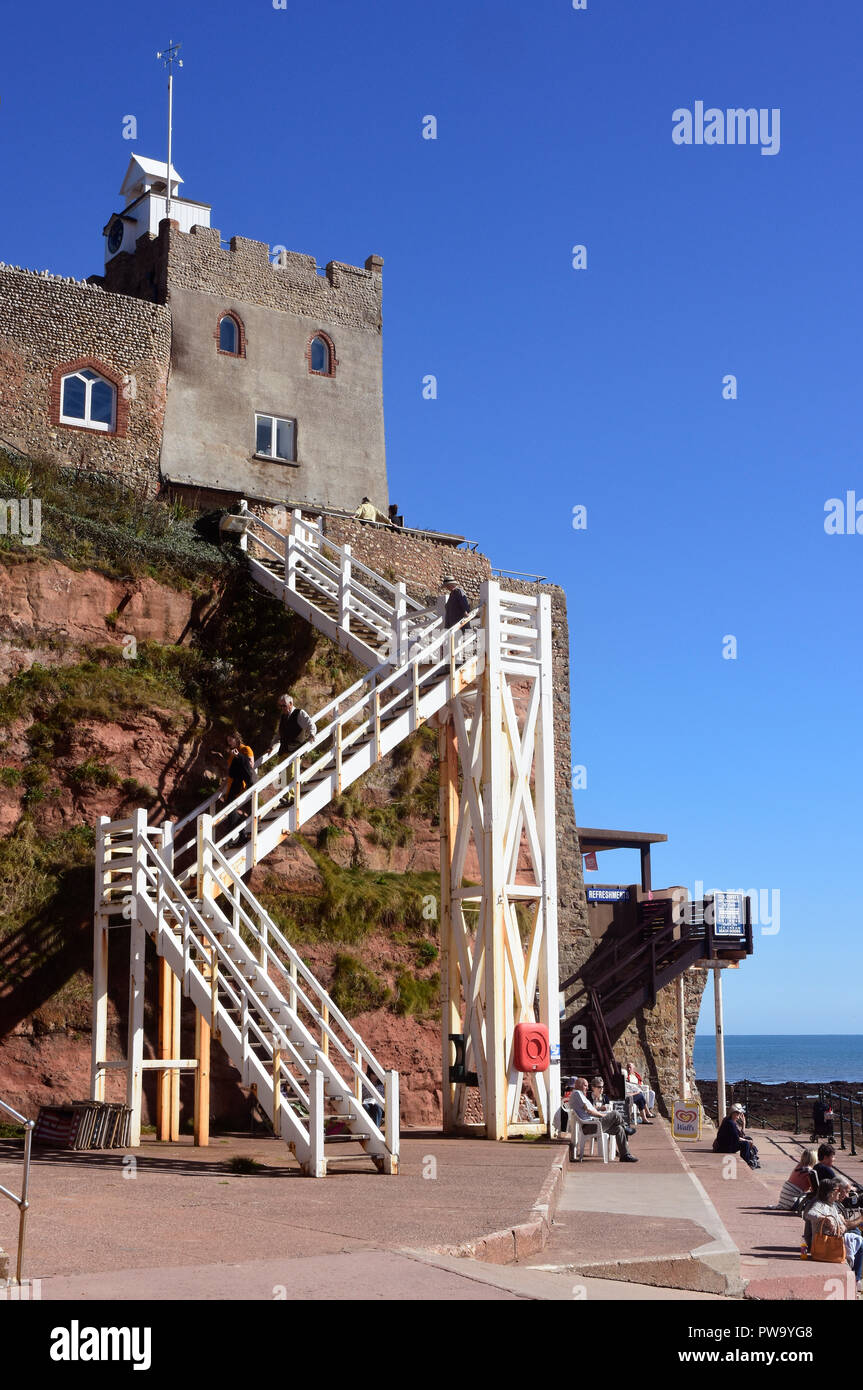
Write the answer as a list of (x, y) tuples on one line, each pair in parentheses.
[(145, 191)]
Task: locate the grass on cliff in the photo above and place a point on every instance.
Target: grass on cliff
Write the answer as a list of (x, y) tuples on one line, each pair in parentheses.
[(351, 903), (97, 521)]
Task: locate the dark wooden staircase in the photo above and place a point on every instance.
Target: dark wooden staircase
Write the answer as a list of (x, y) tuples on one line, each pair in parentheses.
[(627, 971)]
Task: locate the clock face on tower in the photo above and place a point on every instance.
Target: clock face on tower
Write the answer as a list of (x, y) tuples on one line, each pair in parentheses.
[(115, 236)]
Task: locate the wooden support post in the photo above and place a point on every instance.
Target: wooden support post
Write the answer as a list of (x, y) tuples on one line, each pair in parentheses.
[(99, 1044), (176, 1051), (391, 1121), (720, 1045), (202, 1082), (398, 654), (166, 1042), (494, 779), (546, 821), (449, 974), (345, 590), (316, 1164), (99, 1036), (645, 868), (137, 967)]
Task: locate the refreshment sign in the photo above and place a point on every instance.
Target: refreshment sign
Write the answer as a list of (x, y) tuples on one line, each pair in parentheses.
[(686, 1119), (728, 914), (608, 895)]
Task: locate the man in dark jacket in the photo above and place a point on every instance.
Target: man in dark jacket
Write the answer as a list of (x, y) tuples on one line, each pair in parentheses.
[(295, 727), (457, 603)]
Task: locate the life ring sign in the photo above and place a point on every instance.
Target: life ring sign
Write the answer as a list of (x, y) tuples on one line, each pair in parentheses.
[(686, 1119)]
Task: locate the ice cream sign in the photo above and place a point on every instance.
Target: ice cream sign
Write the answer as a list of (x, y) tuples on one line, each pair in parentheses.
[(686, 1119)]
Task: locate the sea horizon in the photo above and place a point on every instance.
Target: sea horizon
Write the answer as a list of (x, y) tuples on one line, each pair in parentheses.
[(774, 1058)]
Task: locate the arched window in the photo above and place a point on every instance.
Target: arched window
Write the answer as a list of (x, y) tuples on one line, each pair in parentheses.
[(322, 355), (230, 336), (88, 400)]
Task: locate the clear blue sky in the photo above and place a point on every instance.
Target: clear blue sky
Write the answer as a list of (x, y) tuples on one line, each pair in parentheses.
[(558, 387)]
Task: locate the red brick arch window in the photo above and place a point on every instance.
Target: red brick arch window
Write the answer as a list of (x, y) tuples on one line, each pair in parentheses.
[(86, 394), (321, 355), (230, 335)]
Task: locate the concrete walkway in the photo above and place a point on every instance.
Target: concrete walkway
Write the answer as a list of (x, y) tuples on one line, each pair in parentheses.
[(653, 1224), (768, 1239)]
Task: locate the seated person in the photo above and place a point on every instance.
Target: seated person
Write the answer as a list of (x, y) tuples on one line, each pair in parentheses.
[(612, 1123), (597, 1093), (801, 1182), (635, 1092), (730, 1138), (825, 1217), (824, 1167)]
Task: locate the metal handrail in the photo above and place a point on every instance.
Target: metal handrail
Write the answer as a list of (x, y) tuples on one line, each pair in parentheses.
[(22, 1202)]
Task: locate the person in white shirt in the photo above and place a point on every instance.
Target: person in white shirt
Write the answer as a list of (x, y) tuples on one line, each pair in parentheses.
[(610, 1120)]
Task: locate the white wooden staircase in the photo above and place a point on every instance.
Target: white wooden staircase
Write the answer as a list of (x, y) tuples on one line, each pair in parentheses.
[(182, 885)]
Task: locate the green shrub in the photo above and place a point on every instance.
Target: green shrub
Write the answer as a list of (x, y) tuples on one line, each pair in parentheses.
[(419, 998), (354, 988), (92, 773)]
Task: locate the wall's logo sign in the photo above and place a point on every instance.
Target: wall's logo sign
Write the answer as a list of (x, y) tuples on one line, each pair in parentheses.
[(21, 517), (733, 126), (685, 1119)]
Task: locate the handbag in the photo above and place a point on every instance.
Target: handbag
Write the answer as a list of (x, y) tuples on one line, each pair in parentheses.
[(828, 1248)]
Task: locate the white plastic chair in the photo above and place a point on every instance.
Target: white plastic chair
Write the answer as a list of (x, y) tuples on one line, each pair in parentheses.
[(583, 1130)]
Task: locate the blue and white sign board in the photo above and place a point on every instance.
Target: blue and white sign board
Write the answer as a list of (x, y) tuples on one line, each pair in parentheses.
[(729, 914), (608, 895)]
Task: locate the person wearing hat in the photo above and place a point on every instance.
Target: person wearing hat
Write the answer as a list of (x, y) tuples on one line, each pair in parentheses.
[(730, 1138), (457, 604)]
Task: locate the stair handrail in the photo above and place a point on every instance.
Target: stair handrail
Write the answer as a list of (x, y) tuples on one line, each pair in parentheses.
[(296, 962), (300, 524), (183, 909), (604, 1048), (372, 696), (205, 806), (319, 571), (22, 1202), (458, 637)]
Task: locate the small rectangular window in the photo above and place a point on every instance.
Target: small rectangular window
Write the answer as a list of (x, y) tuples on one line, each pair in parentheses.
[(276, 438)]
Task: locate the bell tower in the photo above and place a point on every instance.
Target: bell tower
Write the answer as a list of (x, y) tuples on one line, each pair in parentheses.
[(145, 189)]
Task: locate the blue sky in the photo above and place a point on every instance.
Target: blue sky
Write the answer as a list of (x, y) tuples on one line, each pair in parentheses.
[(557, 387)]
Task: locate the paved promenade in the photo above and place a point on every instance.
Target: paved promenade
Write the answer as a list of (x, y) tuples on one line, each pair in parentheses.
[(175, 1222)]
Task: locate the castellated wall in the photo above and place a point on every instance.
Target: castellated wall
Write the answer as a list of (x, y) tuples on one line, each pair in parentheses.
[(48, 322), (209, 439)]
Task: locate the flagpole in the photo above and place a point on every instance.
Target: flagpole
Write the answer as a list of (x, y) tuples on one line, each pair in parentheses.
[(169, 57)]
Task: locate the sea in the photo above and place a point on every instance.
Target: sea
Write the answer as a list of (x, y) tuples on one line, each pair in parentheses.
[(779, 1057)]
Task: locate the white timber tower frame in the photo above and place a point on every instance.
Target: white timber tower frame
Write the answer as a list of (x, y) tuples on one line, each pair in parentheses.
[(486, 686), (497, 814)]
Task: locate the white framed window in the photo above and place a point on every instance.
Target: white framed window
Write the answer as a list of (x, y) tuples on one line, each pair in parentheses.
[(88, 400), (276, 438)]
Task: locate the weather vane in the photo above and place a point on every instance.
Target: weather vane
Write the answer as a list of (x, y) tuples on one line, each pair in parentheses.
[(169, 56)]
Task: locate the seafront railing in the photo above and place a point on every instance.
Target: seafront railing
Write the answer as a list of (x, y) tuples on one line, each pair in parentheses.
[(22, 1202)]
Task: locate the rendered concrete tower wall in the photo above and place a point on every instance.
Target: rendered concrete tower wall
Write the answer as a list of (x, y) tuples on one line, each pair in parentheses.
[(209, 435)]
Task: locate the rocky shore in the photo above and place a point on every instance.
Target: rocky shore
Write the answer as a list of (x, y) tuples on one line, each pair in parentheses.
[(774, 1104)]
